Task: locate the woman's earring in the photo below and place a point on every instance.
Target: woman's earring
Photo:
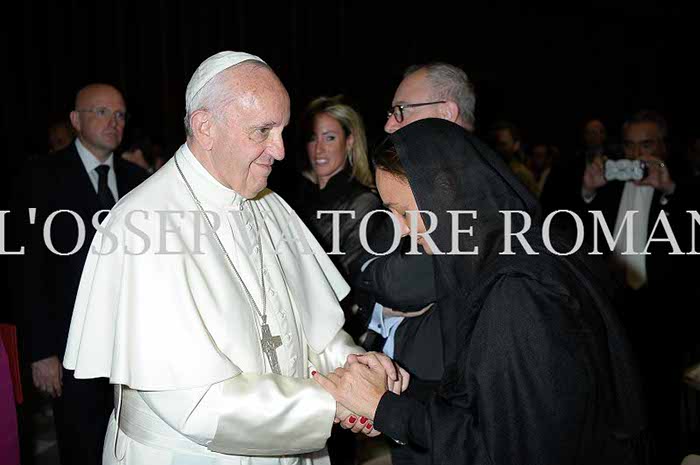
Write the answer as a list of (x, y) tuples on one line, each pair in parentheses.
[(349, 155)]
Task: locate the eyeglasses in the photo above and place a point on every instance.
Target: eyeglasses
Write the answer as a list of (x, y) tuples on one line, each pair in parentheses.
[(397, 110), (107, 113)]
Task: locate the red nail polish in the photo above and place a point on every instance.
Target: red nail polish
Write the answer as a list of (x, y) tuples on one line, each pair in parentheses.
[(362, 420), (353, 419), (369, 425), (313, 373)]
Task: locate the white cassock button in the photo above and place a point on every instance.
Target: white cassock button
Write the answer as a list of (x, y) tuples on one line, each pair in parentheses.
[(288, 338), (282, 314), (272, 292), (293, 359), (255, 250)]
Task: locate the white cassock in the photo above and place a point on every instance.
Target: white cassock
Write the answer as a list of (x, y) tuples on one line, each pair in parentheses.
[(160, 312)]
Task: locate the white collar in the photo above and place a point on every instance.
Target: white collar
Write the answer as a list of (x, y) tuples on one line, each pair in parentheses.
[(205, 186), (89, 160)]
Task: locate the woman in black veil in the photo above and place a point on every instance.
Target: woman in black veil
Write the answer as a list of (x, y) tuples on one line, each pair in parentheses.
[(543, 372)]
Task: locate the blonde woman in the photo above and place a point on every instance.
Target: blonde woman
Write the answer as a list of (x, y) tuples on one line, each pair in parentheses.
[(338, 178)]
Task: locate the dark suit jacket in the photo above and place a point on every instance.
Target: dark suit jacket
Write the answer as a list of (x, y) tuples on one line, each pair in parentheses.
[(661, 266), (665, 306), (60, 182)]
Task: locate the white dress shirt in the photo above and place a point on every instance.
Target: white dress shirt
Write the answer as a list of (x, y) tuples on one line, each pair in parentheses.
[(634, 198), (90, 162)]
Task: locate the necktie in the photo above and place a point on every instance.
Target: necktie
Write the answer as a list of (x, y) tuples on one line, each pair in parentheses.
[(104, 195)]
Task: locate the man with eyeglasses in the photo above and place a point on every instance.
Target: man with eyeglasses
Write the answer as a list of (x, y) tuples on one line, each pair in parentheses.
[(436, 90), (401, 287), (84, 178)]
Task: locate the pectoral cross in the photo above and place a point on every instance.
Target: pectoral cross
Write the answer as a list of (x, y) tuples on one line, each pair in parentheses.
[(270, 344)]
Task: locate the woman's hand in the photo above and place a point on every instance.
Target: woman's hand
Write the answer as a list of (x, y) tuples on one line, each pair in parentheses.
[(353, 422), (360, 386), (397, 377)]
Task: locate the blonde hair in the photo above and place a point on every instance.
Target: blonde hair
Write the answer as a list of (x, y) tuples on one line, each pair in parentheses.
[(351, 122)]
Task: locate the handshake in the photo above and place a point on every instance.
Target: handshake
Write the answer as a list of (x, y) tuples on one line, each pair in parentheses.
[(359, 385)]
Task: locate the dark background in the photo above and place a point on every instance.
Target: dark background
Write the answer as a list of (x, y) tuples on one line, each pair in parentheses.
[(545, 69)]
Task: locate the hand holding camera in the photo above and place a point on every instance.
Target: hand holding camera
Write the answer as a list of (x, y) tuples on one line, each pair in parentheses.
[(658, 176), (644, 171), (594, 176)]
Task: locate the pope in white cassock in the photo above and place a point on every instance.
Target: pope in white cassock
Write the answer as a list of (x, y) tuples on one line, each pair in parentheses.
[(210, 338)]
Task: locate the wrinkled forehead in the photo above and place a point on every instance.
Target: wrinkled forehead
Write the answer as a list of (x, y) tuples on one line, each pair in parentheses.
[(414, 88), (259, 94)]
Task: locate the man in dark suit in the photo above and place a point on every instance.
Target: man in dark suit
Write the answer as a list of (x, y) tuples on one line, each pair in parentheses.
[(659, 295), (84, 178)]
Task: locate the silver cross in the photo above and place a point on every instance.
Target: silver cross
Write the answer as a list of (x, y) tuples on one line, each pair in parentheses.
[(270, 344)]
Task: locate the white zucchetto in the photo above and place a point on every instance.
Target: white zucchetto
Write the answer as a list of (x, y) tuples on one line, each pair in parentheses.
[(211, 67)]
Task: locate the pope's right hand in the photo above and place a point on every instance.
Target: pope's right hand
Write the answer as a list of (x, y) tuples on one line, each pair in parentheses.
[(48, 376)]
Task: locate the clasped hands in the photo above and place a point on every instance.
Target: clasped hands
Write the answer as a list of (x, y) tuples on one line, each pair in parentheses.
[(358, 387)]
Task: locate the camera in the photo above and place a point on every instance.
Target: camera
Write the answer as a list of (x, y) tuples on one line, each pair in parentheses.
[(625, 170)]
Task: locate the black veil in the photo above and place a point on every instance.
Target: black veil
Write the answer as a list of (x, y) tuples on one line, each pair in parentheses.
[(449, 169)]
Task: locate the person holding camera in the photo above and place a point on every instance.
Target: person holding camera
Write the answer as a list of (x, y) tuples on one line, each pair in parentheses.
[(642, 192)]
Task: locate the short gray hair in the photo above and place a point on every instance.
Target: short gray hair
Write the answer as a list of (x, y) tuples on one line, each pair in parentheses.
[(450, 83), (213, 96)]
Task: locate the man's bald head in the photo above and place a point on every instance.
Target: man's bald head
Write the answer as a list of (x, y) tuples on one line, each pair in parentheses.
[(99, 118), (91, 92)]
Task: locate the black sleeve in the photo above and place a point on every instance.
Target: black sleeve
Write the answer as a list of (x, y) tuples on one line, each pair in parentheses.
[(399, 281), (521, 388), (402, 418), (39, 322), (350, 242)]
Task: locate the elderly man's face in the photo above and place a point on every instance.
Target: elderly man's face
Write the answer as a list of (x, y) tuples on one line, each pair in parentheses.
[(643, 140), (247, 136), (99, 118), (415, 88)]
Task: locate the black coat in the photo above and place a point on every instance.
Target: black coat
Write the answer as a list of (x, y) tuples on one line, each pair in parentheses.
[(342, 192), (543, 372), (662, 267), (60, 182)]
